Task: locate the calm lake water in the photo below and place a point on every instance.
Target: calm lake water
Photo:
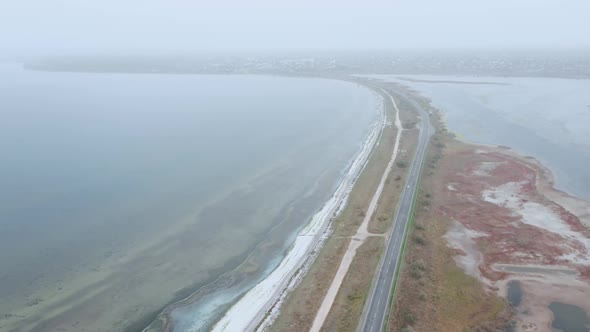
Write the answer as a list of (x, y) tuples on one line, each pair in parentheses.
[(122, 192), (547, 118)]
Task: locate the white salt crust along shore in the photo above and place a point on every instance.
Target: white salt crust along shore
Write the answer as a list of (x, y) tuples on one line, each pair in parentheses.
[(361, 235), (248, 313)]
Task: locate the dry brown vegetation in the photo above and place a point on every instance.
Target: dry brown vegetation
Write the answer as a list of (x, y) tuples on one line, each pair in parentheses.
[(433, 293), (381, 221), (348, 306)]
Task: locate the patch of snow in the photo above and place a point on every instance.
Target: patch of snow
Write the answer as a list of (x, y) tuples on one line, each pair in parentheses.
[(451, 187)]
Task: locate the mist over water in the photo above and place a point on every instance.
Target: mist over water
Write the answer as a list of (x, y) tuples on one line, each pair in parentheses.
[(162, 180)]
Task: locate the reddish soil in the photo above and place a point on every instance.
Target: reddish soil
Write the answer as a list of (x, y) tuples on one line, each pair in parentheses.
[(495, 196), (508, 239), (490, 216)]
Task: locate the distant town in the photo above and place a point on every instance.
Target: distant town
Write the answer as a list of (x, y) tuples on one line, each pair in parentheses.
[(526, 63)]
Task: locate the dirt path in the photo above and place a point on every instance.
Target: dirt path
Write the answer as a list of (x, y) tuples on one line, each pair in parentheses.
[(359, 238)]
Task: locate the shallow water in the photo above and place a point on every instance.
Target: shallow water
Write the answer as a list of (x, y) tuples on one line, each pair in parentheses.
[(537, 270), (569, 318), (122, 192), (547, 118), (514, 293)]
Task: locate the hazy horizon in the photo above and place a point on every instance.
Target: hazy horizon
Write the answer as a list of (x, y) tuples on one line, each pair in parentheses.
[(33, 28)]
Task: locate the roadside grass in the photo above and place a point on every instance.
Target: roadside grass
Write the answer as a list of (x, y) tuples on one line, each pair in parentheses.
[(348, 305), (383, 218), (408, 117), (402, 254), (300, 306)]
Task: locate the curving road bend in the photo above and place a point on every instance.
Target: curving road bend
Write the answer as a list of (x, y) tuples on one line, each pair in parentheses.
[(377, 307)]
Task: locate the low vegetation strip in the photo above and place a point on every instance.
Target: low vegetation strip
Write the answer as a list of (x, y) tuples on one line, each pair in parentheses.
[(361, 234)]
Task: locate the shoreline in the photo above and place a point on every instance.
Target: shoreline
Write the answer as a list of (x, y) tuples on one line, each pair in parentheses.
[(136, 298), (303, 302), (263, 301), (494, 215), (335, 290), (164, 321), (546, 182), (313, 236), (565, 219), (361, 234), (546, 185), (489, 114)]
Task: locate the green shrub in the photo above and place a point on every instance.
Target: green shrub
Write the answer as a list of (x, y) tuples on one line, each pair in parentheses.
[(409, 317), (416, 274), (419, 240), (419, 264)]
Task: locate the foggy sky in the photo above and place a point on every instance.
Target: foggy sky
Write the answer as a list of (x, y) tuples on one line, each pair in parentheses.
[(39, 27)]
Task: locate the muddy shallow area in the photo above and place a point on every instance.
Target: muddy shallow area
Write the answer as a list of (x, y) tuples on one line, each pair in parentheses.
[(520, 237)]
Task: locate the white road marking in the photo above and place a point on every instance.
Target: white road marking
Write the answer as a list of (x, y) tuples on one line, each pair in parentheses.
[(407, 199)]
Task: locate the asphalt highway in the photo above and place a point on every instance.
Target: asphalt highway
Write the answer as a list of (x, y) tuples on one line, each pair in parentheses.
[(377, 308)]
